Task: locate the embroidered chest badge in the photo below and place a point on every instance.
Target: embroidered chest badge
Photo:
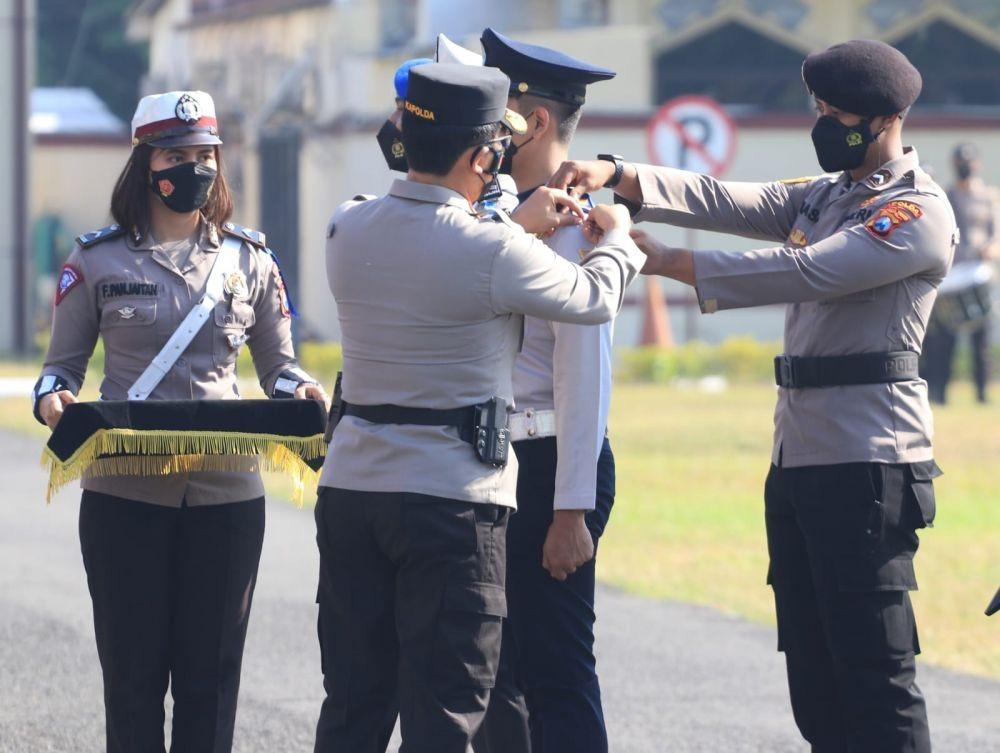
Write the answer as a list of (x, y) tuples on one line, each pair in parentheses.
[(891, 216), (126, 312), (236, 285), (69, 278)]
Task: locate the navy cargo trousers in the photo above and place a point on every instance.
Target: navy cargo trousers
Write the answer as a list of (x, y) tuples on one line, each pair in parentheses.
[(548, 697), (841, 540)]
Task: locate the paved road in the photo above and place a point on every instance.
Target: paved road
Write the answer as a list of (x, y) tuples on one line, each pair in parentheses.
[(677, 678)]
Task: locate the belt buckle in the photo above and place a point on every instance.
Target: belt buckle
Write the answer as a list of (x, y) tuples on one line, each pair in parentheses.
[(784, 371)]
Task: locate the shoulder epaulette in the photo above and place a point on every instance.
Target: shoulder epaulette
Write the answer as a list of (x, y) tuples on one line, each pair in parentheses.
[(97, 236), (363, 197), (254, 237), (498, 215), (796, 181)]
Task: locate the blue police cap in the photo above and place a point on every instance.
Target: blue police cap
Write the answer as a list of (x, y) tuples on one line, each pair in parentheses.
[(452, 94), (401, 79), (540, 71)]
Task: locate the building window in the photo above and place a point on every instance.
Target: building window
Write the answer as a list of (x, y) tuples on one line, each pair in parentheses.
[(957, 69), (736, 66)]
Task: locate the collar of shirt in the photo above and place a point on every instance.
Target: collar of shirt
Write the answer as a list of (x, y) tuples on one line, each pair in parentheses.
[(431, 193), (208, 239), (888, 174)]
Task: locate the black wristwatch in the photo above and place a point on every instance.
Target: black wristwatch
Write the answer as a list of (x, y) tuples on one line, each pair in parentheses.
[(615, 179)]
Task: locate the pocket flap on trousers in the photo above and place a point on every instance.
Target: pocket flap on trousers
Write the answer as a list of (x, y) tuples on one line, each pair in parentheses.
[(864, 574), (927, 470), (479, 598)]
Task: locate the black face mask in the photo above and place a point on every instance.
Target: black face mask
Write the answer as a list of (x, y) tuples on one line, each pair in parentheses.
[(390, 141), (963, 170), (840, 147), (508, 163), (184, 188)]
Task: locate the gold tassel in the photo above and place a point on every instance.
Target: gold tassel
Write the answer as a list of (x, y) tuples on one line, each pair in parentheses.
[(163, 453)]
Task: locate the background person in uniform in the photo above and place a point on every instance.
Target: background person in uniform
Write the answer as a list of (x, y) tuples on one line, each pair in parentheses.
[(977, 212), (566, 478), (171, 560), (860, 256), (411, 522)]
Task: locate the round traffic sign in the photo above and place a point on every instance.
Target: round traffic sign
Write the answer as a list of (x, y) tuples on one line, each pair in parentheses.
[(692, 132)]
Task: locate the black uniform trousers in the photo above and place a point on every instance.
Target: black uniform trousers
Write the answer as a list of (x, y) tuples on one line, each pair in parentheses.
[(841, 540), (548, 650), (938, 357), (411, 599), (172, 589)]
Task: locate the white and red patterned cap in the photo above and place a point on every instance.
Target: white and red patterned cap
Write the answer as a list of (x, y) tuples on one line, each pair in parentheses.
[(175, 119)]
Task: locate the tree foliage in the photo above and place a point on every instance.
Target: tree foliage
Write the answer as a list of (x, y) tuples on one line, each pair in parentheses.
[(82, 43)]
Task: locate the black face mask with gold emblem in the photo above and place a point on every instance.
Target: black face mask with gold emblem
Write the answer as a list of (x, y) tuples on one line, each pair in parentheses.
[(390, 141), (841, 147)]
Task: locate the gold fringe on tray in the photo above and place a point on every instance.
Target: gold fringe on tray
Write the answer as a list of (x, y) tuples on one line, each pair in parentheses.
[(162, 453)]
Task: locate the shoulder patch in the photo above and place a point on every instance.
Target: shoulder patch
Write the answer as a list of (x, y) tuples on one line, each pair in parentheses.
[(284, 299), (796, 181), (69, 278), (891, 216), (97, 236), (251, 236)]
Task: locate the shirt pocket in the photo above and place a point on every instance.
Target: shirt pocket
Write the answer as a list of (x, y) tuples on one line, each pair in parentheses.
[(128, 325), (231, 324)]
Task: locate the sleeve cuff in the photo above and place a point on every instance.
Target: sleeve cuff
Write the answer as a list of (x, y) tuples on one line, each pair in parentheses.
[(288, 381), (575, 501)]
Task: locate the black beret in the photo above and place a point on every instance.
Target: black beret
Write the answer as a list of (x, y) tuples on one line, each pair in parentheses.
[(459, 95), (863, 77), (541, 71)]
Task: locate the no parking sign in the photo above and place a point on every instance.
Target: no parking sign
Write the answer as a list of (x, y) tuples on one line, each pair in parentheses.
[(693, 133)]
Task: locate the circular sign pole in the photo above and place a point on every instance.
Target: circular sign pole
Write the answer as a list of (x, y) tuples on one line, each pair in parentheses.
[(695, 133)]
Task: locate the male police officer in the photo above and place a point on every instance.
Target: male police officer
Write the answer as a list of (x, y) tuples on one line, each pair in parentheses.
[(565, 488), (416, 490), (861, 254), (977, 212)]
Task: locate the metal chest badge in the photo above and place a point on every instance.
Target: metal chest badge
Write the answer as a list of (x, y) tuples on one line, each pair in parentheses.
[(236, 285)]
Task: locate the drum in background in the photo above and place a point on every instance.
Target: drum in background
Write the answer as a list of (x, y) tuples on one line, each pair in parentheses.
[(965, 295)]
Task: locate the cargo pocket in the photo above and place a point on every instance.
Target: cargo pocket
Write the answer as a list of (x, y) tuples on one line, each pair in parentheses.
[(466, 649), (921, 498), (231, 330), (872, 618)]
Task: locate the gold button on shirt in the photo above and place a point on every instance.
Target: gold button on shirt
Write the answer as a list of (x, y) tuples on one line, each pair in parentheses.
[(133, 293)]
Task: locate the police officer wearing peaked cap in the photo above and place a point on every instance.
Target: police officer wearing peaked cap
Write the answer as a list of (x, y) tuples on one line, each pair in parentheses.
[(417, 485), (171, 560), (858, 256), (548, 695)]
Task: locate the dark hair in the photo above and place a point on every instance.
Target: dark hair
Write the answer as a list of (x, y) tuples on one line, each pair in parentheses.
[(565, 116), (130, 197), (435, 149)]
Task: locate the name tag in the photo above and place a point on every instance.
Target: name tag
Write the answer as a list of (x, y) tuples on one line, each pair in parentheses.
[(131, 289)]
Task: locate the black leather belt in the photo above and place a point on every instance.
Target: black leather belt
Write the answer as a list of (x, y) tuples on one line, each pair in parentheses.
[(798, 372), (464, 419)]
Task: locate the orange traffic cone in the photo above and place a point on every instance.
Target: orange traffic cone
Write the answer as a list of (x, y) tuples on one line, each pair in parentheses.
[(655, 318)]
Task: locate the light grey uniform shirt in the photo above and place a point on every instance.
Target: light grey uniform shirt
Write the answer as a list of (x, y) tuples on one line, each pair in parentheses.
[(566, 368), (977, 212), (858, 264), (430, 300), (133, 293)]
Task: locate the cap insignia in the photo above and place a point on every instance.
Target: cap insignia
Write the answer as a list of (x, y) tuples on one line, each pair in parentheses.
[(187, 109)]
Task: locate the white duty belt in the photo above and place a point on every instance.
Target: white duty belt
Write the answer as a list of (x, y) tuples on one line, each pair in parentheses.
[(226, 261), (532, 424)]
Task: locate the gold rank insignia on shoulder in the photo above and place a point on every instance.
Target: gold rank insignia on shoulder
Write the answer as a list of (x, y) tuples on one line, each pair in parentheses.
[(236, 285), (796, 181)]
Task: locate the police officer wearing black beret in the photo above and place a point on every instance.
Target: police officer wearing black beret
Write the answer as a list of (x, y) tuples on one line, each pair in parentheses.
[(418, 485), (859, 256)]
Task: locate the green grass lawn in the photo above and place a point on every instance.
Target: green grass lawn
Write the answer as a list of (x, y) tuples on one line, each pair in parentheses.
[(688, 521)]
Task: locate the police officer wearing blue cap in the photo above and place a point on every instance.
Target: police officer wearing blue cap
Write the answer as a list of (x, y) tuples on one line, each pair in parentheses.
[(418, 483), (566, 484), (858, 257)]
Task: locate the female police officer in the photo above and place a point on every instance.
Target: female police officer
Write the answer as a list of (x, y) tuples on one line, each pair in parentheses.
[(171, 560)]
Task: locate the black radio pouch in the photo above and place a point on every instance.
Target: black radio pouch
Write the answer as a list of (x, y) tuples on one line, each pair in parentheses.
[(491, 441)]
